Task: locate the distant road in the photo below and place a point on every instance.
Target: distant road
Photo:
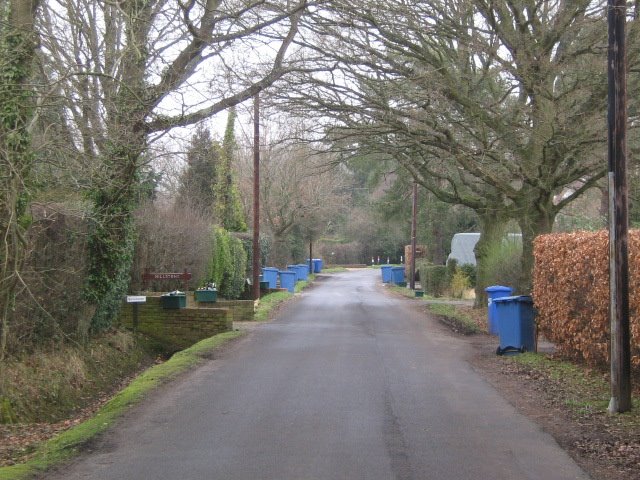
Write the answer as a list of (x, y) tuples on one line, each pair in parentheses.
[(347, 383)]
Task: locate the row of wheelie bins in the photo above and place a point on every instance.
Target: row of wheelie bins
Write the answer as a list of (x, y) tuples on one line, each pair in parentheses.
[(391, 274), (512, 318), (288, 278)]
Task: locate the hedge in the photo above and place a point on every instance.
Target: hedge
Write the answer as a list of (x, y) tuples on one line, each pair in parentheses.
[(571, 294), (433, 278)]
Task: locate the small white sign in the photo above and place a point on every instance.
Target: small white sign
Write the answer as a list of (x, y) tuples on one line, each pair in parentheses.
[(136, 299)]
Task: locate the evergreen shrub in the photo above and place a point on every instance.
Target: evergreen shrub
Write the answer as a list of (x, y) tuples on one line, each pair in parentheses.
[(503, 263), (433, 278)]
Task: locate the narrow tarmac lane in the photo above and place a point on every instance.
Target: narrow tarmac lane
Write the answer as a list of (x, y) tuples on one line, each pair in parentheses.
[(347, 383)]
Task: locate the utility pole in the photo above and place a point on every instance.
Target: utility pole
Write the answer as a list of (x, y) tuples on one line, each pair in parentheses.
[(256, 197), (618, 215), (414, 221)]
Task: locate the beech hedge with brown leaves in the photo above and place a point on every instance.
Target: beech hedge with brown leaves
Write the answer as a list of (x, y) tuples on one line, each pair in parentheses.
[(571, 293)]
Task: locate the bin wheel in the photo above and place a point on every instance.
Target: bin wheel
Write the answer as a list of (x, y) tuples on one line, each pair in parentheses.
[(502, 351)]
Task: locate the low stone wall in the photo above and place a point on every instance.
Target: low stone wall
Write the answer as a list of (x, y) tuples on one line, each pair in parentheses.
[(178, 328)]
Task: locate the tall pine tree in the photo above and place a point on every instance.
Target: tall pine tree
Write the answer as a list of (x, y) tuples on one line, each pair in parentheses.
[(198, 179)]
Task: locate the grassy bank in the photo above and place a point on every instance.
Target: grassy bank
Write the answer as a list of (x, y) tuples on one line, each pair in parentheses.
[(50, 385), (458, 319), (65, 445)]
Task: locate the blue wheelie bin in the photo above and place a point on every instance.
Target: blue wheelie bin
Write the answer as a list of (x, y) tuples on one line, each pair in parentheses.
[(303, 272), (317, 265), (493, 292), (270, 275), (294, 269), (386, 273), (288, 280), (516, 324), (397, 275)]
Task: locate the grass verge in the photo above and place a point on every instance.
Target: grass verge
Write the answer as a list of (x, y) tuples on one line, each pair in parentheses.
[(268, 303), (334, 270), (272, 300), (405, 292), (587, 391), (67, 444), (302, 284), (459, 321)]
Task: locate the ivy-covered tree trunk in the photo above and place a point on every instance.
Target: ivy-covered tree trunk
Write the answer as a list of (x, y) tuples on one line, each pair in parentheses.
[(112, 239), (227, 205), (17, 49), (492, 229)]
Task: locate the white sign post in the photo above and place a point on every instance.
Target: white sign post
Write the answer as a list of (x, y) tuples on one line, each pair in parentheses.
[(136, 300)]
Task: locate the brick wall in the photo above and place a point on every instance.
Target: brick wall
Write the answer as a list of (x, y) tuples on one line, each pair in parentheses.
[(179, 328), (241, 310)]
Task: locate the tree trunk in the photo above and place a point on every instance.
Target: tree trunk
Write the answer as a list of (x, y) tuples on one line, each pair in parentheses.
[(17, 49), (533, 222), (112, 241), (492, 228)]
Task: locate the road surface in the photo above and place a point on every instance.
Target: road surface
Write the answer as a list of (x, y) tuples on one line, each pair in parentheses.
[(346, 383)]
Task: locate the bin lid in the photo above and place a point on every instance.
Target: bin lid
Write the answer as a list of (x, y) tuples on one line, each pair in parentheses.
[(270, 269), (286, 272), (517, 298), (498, 288)]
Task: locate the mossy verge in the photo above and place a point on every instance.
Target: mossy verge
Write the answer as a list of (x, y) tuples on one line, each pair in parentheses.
[(404, 291), (271, 301), (301, 285), (268, 303), (334, 270), (67, 444), (454, 318)]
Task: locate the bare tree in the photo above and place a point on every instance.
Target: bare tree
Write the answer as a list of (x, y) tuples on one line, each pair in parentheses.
[(492, 104), (127, 72), (300, 191)]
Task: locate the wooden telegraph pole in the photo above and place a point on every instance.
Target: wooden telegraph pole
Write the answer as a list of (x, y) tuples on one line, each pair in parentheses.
[(256, 197), (414, 225), (618, 217)]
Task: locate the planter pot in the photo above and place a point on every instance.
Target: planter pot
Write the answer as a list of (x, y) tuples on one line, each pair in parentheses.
[(206, 295), (174, 301)]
